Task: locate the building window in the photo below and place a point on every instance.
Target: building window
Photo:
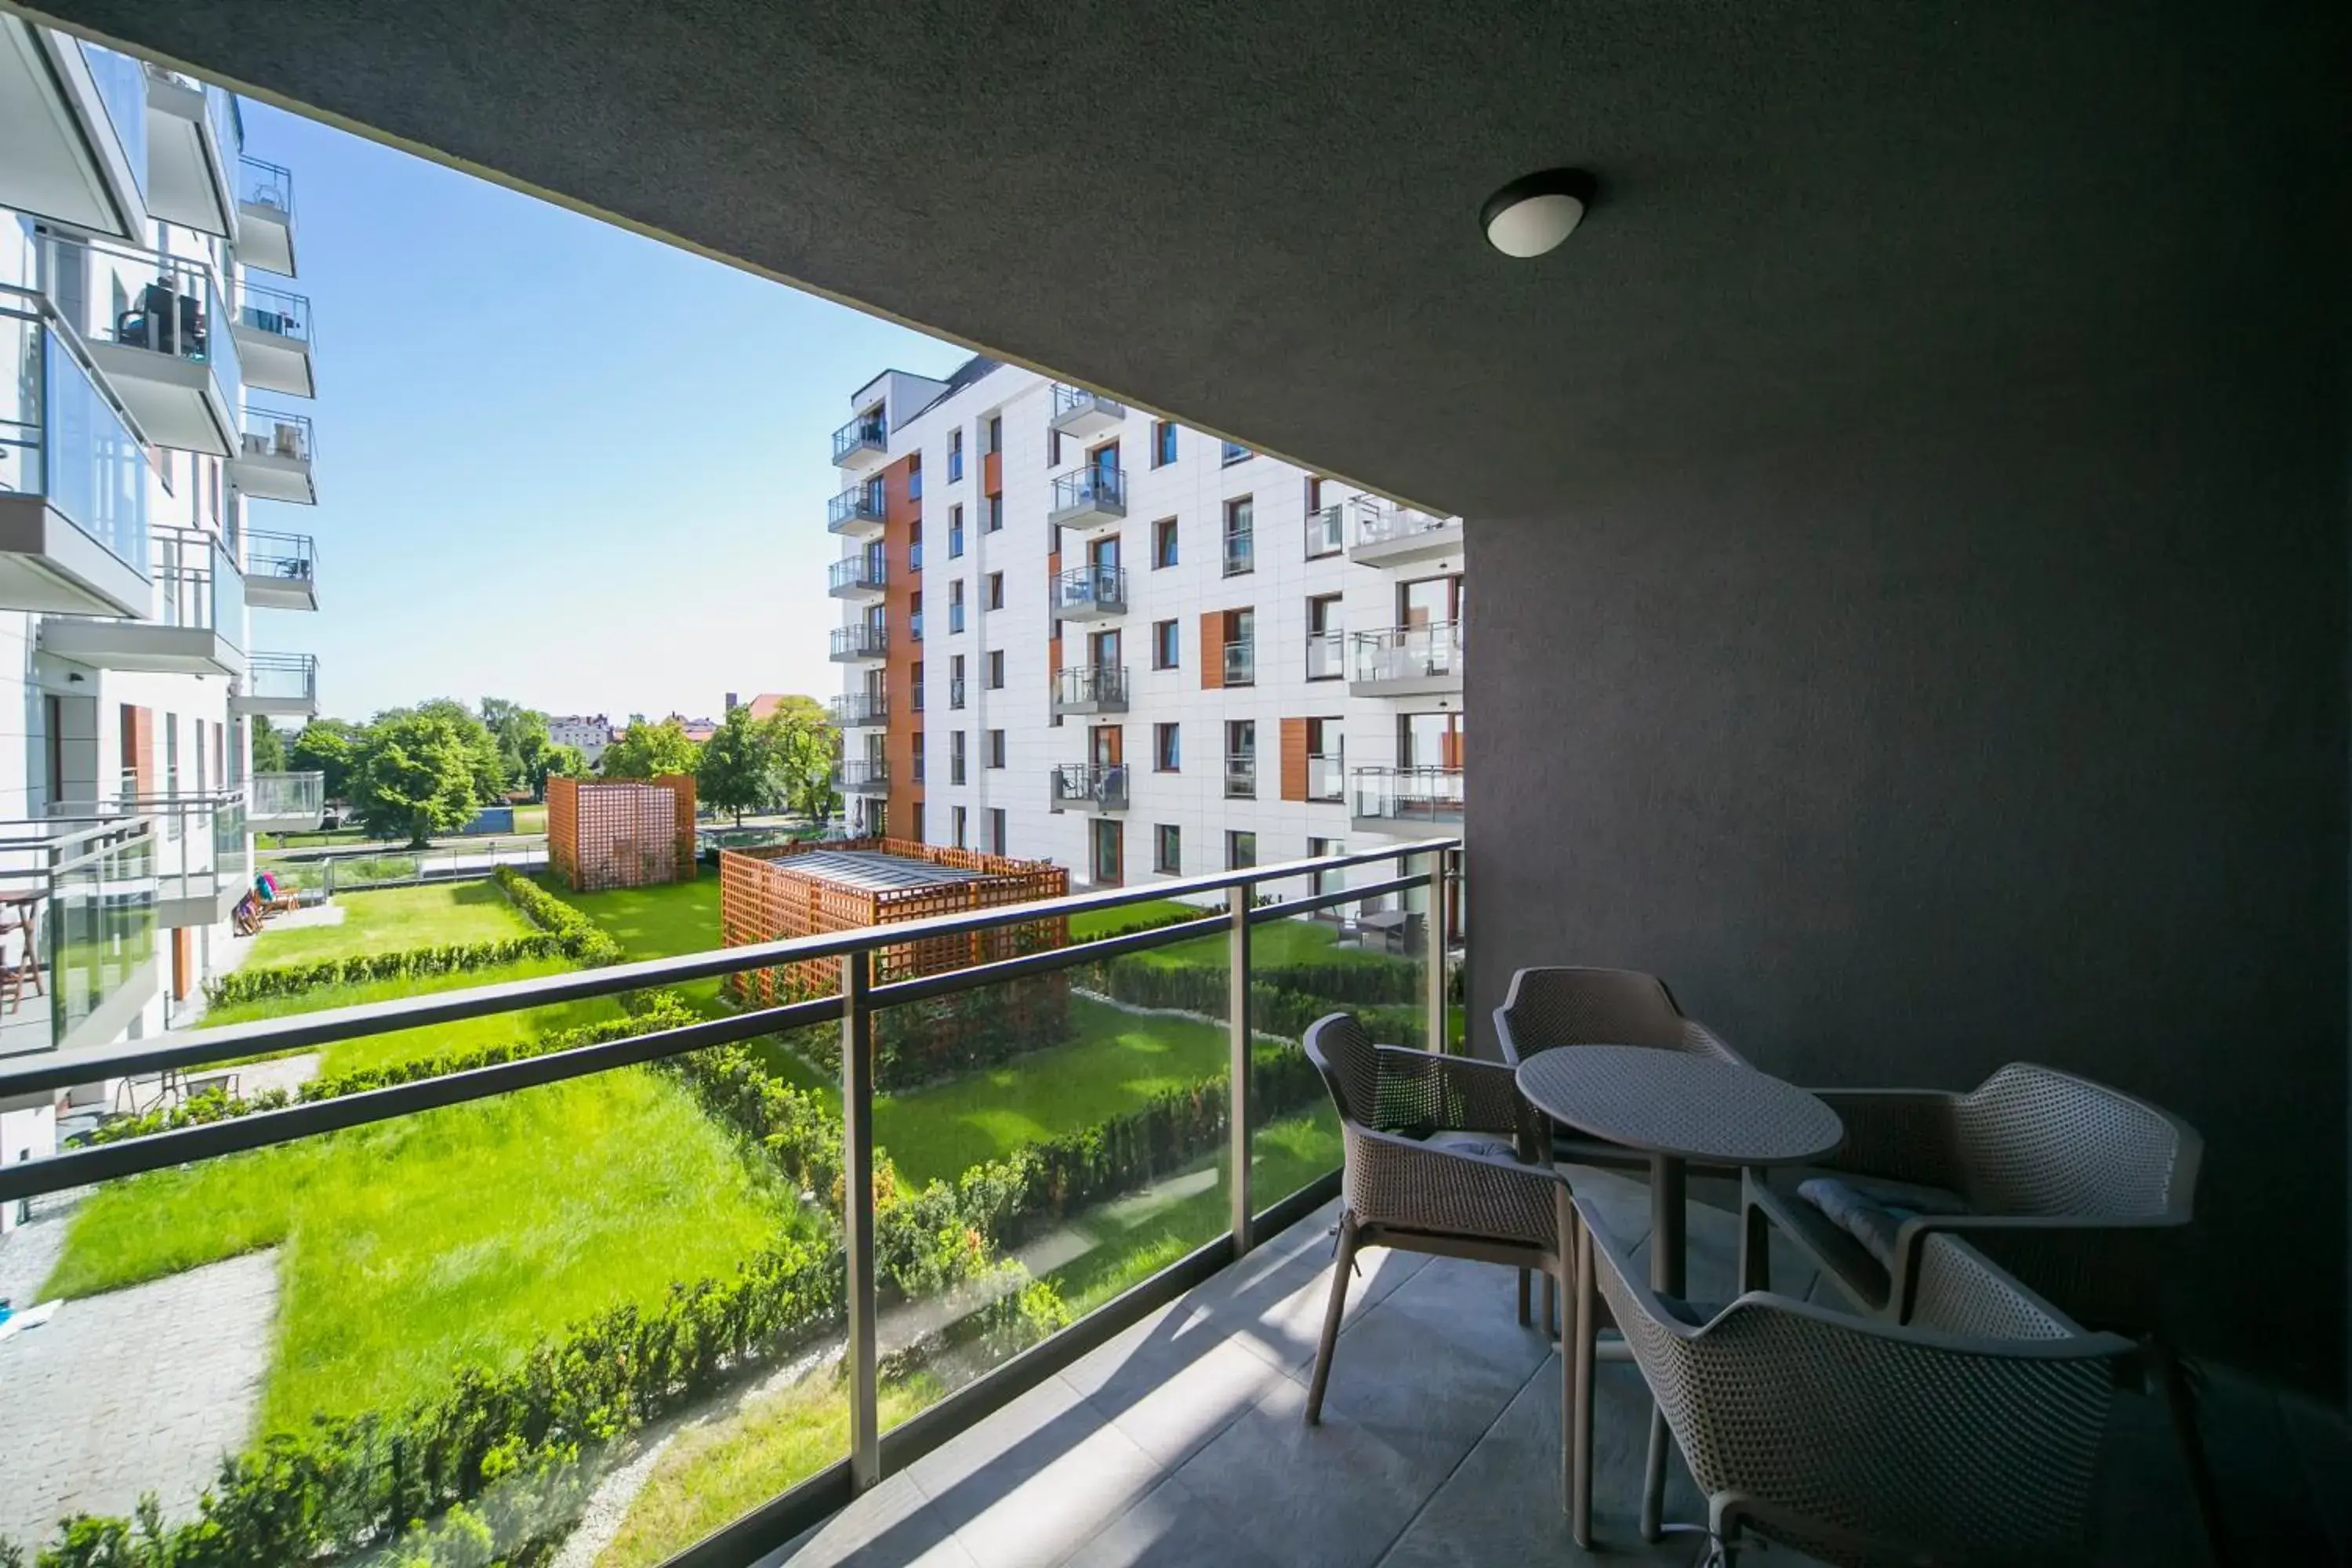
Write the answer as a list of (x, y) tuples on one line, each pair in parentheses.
[(1241, 759), (914, 688), (1241, 850), (955, 756), (955, 533), (996, 432), (1240, 537), (1234, 452), (1167, 748), (917, 756), (1165, 645), (956, 825), (955, 680), (997, 831), (1163, 543), (1326, 642), (996, 514), (996, 748), (955, 472), (914, 477), (1168, 850), (1314, 493), (955, 606), (996, 669), (915, 618), (1163, 443), (995, 591)]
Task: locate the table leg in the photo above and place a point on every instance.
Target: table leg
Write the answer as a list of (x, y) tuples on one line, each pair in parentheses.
[(1668, 1189)]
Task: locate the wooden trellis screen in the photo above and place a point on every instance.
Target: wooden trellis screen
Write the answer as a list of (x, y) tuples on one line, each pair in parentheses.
[(762, 897), (621, 833)]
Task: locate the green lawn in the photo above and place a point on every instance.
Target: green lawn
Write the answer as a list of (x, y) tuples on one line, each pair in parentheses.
[(1117, 1062), (530, 819), (664, 920), (1101, 923), (457, 1236), (1275, 944), (386, 920), (431, 1039)]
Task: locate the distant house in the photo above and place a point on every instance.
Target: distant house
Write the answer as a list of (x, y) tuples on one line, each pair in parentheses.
[(591, 732)]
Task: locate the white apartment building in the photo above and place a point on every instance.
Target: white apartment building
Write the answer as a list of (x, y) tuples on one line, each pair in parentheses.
[(151, 448), (1077, 633), (590, 732)]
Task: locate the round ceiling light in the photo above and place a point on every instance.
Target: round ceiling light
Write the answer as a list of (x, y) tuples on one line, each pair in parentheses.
[(1535, 213)]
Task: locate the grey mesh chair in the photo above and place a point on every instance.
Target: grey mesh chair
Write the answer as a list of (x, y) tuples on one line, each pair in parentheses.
[(1971, 1435), (1430, 1166), (2078, 1190)]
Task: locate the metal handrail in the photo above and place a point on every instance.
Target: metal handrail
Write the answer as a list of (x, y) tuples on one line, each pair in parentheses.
[(857, 501), (1068, 399), (274, 433), (265, 184), (279, 310), (291, 556), (1241, 662), (1377, 522), (1097, 585), (1098, 683), (1094, 484), (1408, 653), (866, 430), (858, 571)]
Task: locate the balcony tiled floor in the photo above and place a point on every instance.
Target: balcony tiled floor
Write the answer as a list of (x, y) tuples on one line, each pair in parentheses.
[(1182, 1441)]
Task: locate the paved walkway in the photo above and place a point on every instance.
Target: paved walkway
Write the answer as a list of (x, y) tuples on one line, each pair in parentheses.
[(133, 1391)]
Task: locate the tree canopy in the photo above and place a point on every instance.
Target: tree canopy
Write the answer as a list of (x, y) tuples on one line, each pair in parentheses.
[(648, 750), (741, 765), (418, 772), (268, 746), (326, 746)]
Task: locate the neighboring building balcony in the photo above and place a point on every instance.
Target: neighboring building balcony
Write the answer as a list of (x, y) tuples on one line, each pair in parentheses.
[(1091, 594), (85, 959), (861, 711), (273, 456), (1407, 661), (1327, 777), (1327, 532), (955, 693), (194, 623), (869, 777), (281, 570), (1077, 411), (194, 139), (861, 577), (1390, 535), (857, 512), (1327, 655), (286, 803), (1085, 689), (860, 644), (73, 477), (1090, 786), (862, 443), (76, 115), (204, 857), (265, 215), (1241, 664), (273, 335), (1089, 500), (278, 686), (1240, 552), (1406, 803), (1241, 778), (167, 352)]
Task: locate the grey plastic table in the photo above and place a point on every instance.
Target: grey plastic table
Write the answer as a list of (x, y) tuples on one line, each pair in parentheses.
[(1674, 1107)]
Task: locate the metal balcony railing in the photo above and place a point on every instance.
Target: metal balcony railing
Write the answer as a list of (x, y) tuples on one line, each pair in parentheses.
[(1327, 532), (868, 777), (1090, 786), (67, 440), (1408, 653), (955, 693), (1326, 776), (1089, 591), (1416, 794), (268, 433), (282, 677), (1379, 522), (171, 305), (1076, 405), (860, 709), (1241, 778), (271, 795), (858, 504), (860, 641), (287, 557), (856, 573), (279, 310), (265, 185), (198, 585), (1240, 552), (1326, 655), (868, 434), (1092, 493), (1091, 689), (1241, 663)]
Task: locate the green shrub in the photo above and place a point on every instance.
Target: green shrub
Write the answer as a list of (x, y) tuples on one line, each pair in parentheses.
[(362, 968), (585, 940)]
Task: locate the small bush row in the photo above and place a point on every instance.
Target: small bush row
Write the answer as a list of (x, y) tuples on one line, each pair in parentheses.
[(586, 942), (1281, 1003)]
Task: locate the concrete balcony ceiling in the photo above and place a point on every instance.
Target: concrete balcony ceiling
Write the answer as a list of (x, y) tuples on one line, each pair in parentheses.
[(65, 160), (187, 168)]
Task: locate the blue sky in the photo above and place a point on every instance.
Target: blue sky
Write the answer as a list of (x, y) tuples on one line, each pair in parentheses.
[(557, 462)]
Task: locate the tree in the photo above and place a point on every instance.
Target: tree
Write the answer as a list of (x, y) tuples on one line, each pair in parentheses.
[(328, 746), (806, 747), (268, 746), (566, 762), (416, 772), (742, 766), (488, 768), (522, 739), (648, 750)]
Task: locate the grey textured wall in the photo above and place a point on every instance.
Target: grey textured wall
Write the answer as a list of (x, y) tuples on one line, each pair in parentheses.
[(1952, 727)]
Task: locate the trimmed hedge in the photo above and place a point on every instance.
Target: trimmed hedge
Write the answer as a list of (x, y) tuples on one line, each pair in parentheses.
[(1276, 1005), (586, 942), (943, 1038)]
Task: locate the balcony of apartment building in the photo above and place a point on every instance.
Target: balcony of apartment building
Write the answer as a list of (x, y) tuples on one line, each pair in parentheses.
[(1089, 787), (1327, 532), (858, 512), (1405, 803), (1088, 499), (76, 119), (277, 686), (274, 339), (202, 854), (1327, 777), (1083, 414), (861, 577), (166, 350), (862, 443), (273, 456), (861, 643), (1088, 688), (1240, 550), (1241, 662), (861, 711), (1406, 661), (281, 570), (1240, 776), (871, 776), (1327, 655), (194, 620), (77, 922), (196, 135), (1392, 535), (73, 475), (286, 802), (265, 215), (1092, 593)]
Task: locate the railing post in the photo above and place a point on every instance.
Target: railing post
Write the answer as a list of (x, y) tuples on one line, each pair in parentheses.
[(857, 1216), (1237, 1096), (1436, 928)]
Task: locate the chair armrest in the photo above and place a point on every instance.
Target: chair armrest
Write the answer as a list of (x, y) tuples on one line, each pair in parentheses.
[(1701, 1041), (1509, 1046), (1392, 1180), (1900, 1134), (2100, 1269), (1466, 1094)]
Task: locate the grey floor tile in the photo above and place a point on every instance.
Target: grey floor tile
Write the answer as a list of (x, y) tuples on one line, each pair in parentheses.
[(1036, 1480), (1172, 1395), (893, 1523), (1431, 1368), (1170, 1528), (1281, 1317)]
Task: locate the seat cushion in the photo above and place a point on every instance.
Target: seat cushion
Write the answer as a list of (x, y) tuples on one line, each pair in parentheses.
[(1873, 1211), (1474, 1143)]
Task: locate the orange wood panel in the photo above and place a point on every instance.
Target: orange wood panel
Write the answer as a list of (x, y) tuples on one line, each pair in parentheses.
[(1294, 759), (991, 478), (1212, 649)]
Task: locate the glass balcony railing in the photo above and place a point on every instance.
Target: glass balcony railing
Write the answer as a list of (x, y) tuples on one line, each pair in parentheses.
[(1411, 794), (1379, 522), (915, 696), (1241, 778), (1241, 663), (860, 437), (860, 641), (1409, 653), (859, 507), (121, 86), (173, 306), (1240, 552), (1091, 689), (869, 777), (277, 311), (955, 693), (1091, 786), (1326, 776), (198, 586), (860, 709), (1327, 532), (266, 185), (1094, 493), (83, 890), (858, 573), (201, 850), (915, 625), (269, 433), (283, 677), (282, 557), (1326, 655), (1076, 408), (1093, 590), (289, 795), (64, 440)]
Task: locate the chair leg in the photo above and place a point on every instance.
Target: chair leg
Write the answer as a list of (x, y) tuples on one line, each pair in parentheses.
[(1343, 1269), (1585, 1328), (1551, 1305), (1755, 1243), (2180, 1405), (1526, 1317)]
